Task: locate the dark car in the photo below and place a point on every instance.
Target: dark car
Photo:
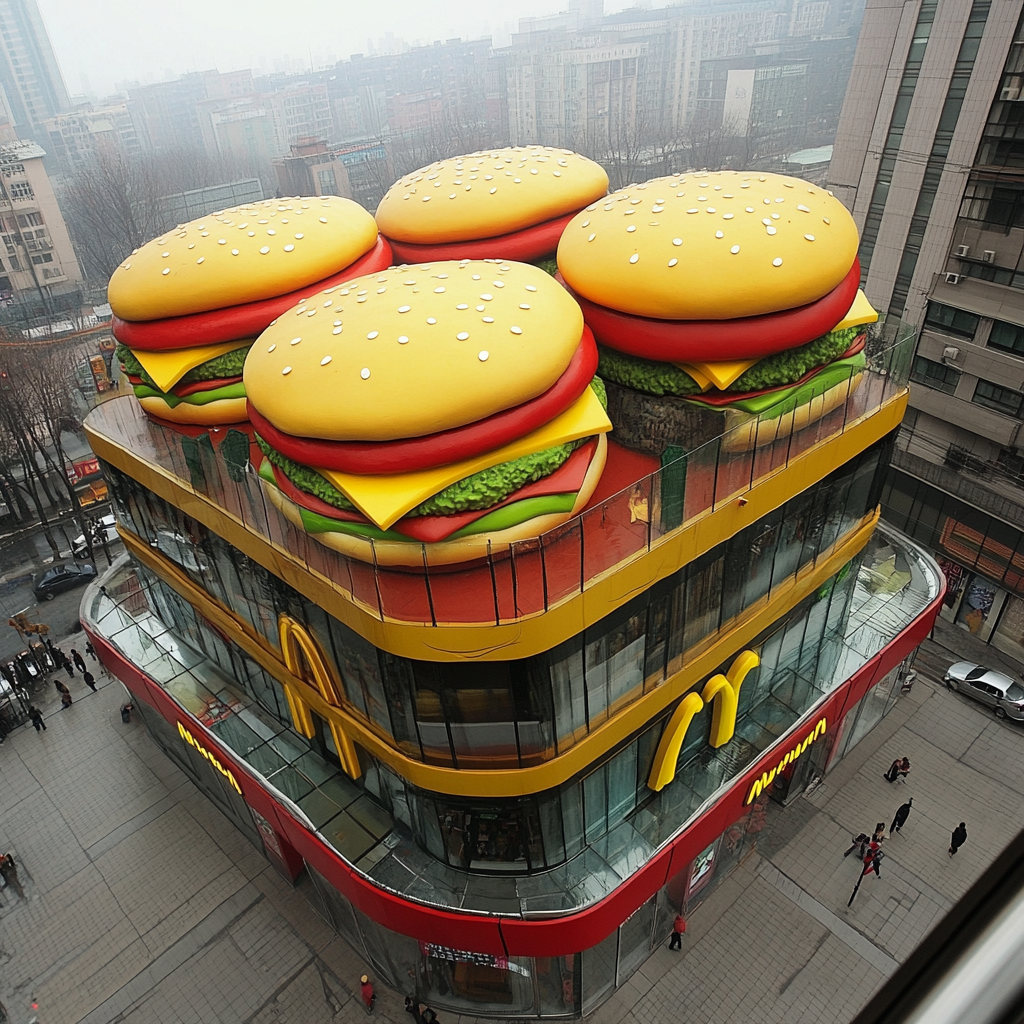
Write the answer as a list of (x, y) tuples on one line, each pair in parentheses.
[(60, 578)]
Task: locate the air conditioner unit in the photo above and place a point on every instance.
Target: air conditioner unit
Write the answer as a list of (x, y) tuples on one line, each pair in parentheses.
[(952, 278), (963, 250), (950, 354), (989, 256)]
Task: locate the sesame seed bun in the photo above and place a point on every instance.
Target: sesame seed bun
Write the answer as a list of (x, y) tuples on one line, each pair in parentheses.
[(241, 255), (413, 350), (711, 246), (488, 193)]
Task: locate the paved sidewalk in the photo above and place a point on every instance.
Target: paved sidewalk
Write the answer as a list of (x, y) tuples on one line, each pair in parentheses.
[(145, 906)]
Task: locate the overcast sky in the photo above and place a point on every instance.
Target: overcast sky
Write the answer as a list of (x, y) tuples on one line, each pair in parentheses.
[(103, 42)]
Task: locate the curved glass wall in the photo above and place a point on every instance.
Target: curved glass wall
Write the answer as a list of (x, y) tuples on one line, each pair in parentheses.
[(557, 850), (520, 713)]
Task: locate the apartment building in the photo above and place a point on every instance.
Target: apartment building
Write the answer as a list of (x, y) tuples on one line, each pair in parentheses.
[(37, 260), (78, 137), (930, 157)]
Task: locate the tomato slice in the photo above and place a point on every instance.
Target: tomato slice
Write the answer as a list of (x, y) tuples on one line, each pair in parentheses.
[(233, 322), (445, 446), (748, 337), (528, 244)]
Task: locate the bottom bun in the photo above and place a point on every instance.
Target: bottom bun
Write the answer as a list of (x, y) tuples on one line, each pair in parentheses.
[(446, 552), (227, 410), (743, 431)]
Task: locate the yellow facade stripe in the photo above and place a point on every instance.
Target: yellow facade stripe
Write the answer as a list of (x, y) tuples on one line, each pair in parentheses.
[(544, 630), (511, 782)]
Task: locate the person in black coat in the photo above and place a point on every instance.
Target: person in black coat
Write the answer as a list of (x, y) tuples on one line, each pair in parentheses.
[(958, 838), (900, 817), (78, 660)]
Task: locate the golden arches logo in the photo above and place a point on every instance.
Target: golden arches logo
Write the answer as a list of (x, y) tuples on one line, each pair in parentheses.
[(724, 692), (304, 659), (759, 785)]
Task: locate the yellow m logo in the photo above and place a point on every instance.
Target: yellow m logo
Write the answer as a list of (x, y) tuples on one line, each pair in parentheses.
[(725, 692), (303, 658)]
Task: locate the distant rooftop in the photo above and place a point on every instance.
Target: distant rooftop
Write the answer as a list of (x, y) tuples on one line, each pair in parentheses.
[(24, 149), (806, 157)]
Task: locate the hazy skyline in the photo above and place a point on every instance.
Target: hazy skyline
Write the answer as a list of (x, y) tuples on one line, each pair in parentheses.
[(111, 41)]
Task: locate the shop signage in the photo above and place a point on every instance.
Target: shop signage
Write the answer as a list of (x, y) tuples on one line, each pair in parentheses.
[(766, 779), (214, 762), (724, 692)]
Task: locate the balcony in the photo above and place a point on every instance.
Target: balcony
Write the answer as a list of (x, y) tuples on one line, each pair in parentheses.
[(638, 518)]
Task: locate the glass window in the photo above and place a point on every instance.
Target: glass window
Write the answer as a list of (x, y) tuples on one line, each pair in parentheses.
[(703, 598), (598, 971), (615, 666), (1007, 337), (570, 702), (935, 375), (992, 396), (636, 934), (950, 320)]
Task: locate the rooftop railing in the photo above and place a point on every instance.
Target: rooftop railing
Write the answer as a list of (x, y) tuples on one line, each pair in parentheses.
[(531, 576)]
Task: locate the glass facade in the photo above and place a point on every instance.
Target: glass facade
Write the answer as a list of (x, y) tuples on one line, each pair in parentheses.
[(517, 713), (953, 529), (935, 375)]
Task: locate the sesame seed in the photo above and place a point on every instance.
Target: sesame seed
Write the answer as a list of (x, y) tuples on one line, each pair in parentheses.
[(585, 224), (487, 319), (300, 235), (632, 227), (693, 211), (727, 216), (531, 287), (482, 356), (493, 190), (265, 249), (271, 349), (439, 289), (166, 270), (634, 257), (516, 330), (486, 296), (371, 335), (672, 262), (431, 320), (810, 238), (803, 209), (286, 371), (287, 248), (200, 260), (591, 238), (222, 241), (325, 360), (719, 234), (337, 330), (403, 339), (365, 373), (771, 231), (826, 220), (777, 262), (295, 341), (165, 254), (734, 250), (461, 336), (462, 305), (323, 220)]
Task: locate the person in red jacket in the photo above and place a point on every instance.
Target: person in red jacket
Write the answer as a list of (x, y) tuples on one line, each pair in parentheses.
[(367, 993), (678, 927)]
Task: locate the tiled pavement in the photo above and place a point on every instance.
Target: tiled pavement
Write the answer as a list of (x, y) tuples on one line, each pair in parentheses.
[(145, 906)]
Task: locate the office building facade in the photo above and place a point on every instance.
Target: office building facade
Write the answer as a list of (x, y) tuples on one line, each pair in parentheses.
[(928, 157)]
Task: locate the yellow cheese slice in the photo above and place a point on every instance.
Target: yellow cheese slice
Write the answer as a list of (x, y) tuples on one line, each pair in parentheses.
[(719, 375), (385, 499), (861, 312), (168, 367)]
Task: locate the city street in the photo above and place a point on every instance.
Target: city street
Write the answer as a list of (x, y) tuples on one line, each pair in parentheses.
[(144, 905)]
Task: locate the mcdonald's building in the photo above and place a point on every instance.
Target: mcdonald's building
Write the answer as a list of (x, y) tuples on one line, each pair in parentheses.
[(503, 779)]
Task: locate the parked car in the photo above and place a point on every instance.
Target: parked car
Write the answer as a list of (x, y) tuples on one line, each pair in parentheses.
[(1002, 693), (107, 528), (60, 578)]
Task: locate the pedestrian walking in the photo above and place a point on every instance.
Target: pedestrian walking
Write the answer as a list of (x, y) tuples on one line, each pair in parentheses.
[(958, 838), (899, 819), (67, 665), (879, 833), (90, 650), (678, 927), (65, 699), (78, 660), (899, 767), (9, 872), (89, 679), (36, 717), (367, 993)]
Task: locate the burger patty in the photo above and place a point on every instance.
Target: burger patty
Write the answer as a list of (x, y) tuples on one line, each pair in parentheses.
[(473, 493), (773, 371), (228, 365)]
